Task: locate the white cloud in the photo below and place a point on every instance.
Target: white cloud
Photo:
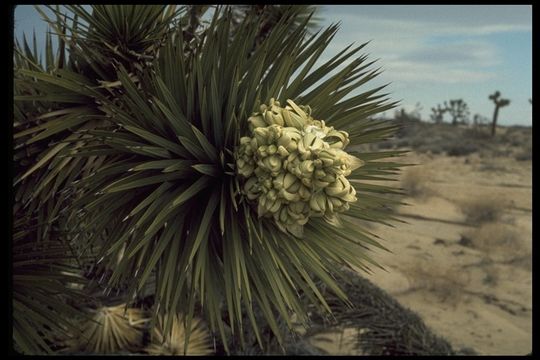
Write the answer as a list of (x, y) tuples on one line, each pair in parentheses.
[(431, 48), (409, 71)]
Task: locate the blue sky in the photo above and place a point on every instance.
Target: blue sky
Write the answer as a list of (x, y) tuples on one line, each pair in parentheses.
[(433, 53), (428, 53)]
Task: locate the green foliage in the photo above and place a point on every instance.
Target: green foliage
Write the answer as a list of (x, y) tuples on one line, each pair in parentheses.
[(125, 141)]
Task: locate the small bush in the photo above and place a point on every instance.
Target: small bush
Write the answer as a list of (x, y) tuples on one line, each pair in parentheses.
[(447, 283), (525, 155), (500, 242), (462, 149), (484, 209), (477, 134), (413, 182)]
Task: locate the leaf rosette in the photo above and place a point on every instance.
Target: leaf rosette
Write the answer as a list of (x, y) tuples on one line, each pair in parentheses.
[(183, 180)]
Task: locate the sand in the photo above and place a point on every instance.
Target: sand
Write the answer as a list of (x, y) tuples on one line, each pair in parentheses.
[(469, 280)]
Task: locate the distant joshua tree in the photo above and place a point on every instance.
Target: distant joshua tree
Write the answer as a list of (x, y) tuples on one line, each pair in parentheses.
[(437, 115), (499, 103), (458, 109)]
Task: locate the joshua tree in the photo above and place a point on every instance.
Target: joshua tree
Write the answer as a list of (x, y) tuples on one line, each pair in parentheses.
[(499, 103), (437, 114), (458, 109), (197, 178)]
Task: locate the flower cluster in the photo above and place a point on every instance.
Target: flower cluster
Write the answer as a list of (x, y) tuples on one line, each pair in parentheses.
[(295, 166)]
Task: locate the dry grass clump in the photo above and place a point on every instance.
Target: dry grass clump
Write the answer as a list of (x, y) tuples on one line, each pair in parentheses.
[(500, 242), (484, 209), (446, 282), (414, 182)]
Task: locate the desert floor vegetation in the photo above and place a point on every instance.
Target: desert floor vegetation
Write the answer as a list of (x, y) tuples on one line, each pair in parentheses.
[(484, 209), (447, 282), (501, 242), (414, 182), (465, 262)]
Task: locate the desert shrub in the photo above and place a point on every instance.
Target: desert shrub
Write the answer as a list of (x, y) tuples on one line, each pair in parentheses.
[(500, 242), (477, 133), (446, 282), (484, 209), (413, 182), (462, 149), (489, 166), (524, 155)]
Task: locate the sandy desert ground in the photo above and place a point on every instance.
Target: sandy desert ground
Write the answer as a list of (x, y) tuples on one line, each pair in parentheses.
[(463, 261)]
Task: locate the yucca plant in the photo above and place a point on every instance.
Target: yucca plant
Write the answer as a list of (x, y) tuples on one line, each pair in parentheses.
[(223, 171), (174, 342), (109, 330)]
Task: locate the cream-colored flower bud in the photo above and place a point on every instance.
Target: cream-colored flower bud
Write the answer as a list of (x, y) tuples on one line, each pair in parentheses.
[(278, 119), (240, 163), (261, 134), (318, 202), (289, 196), (283, 214), (329, 178), (308, 140), (289, 180), (297, 207), (318, 184), (278, 181), (259, 172), (262, 151), (336, 202), (271, 195), (256, 121), (294, 187), (307, 167), (245, 140), (272, 149), (282, 151), (304, 192), (349, 197), (319, 173), (307, 182), (339, 188), (291, 119), (275, 206), (251, 187), (269, 118), (272, 163), (267, 184)]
